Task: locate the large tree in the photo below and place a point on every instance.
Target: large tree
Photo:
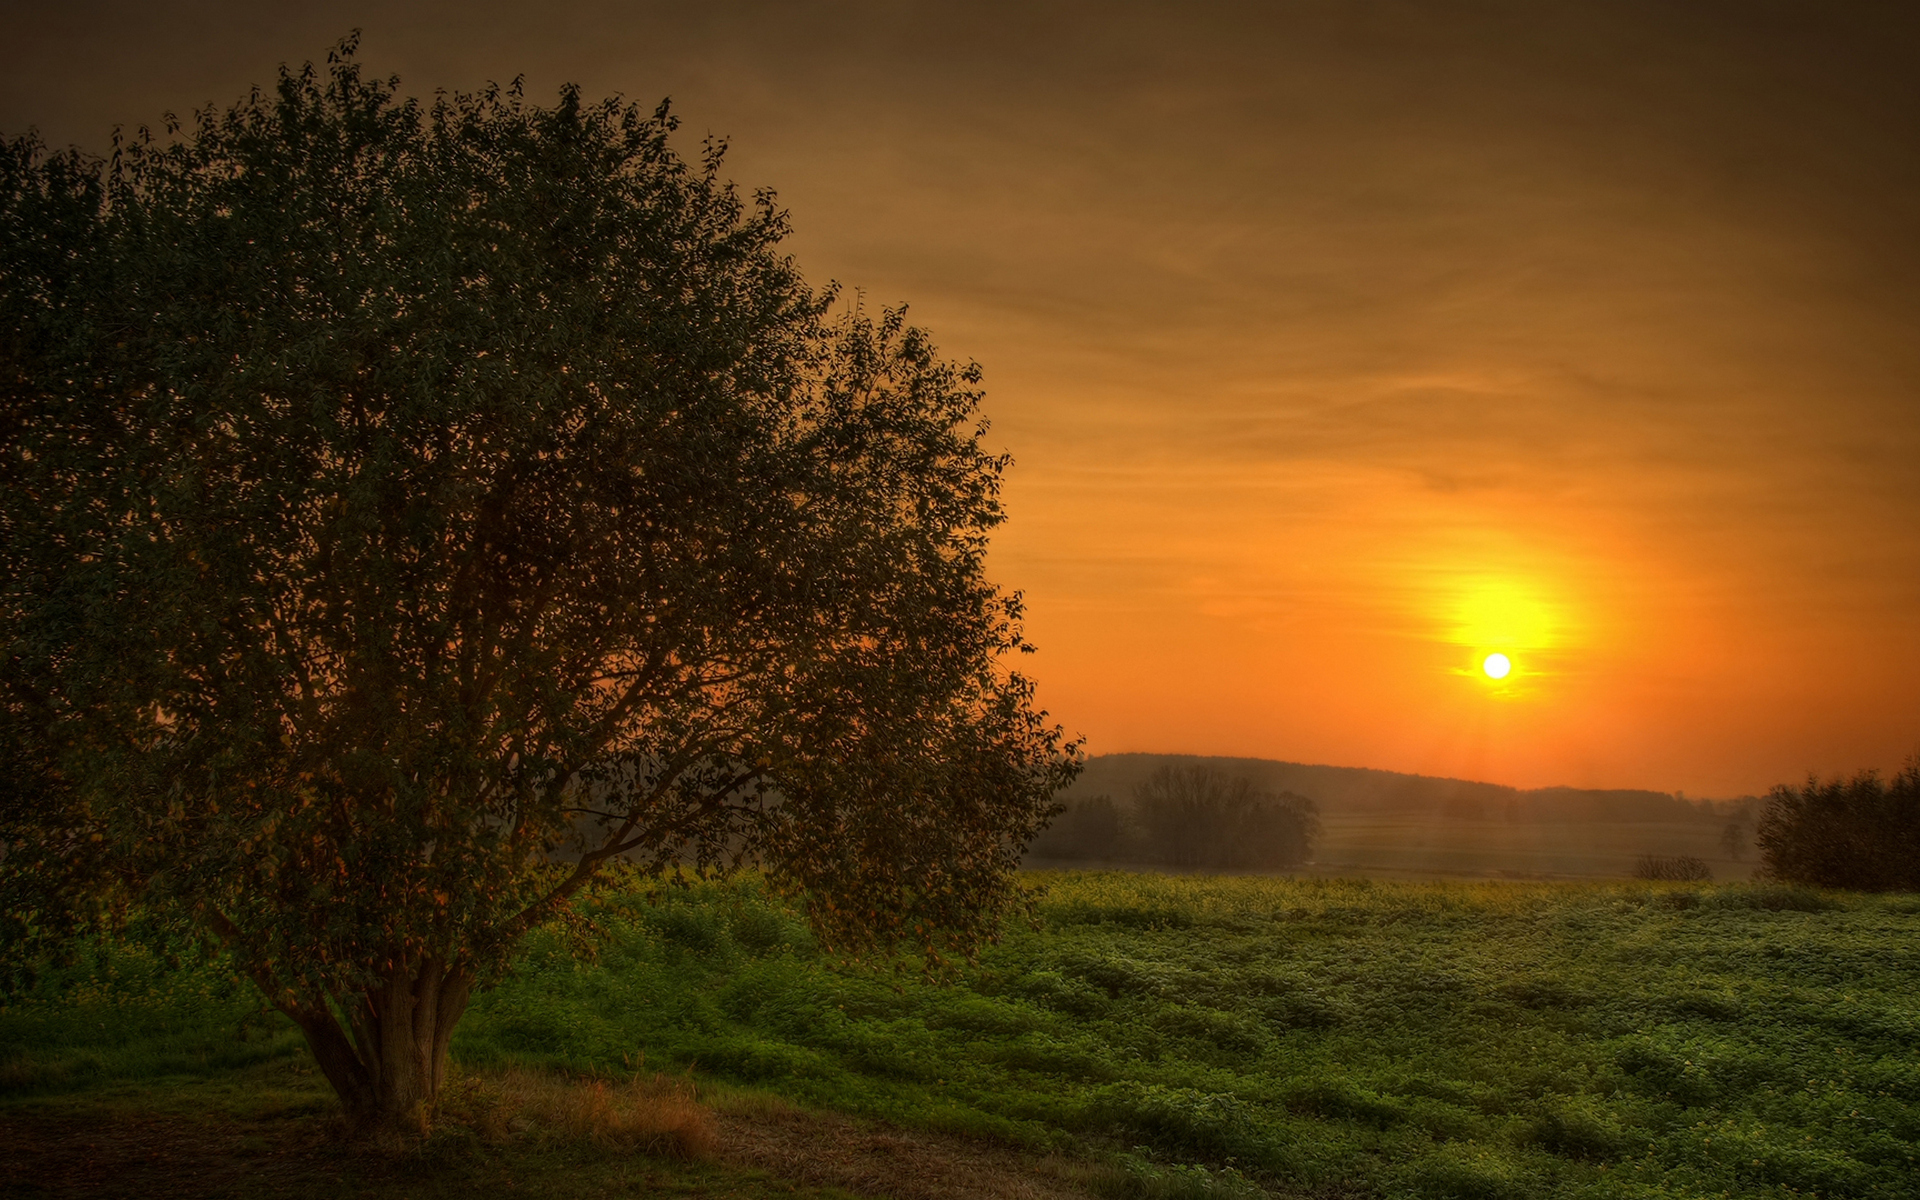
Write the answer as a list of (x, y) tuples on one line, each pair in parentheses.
[(409, 510)]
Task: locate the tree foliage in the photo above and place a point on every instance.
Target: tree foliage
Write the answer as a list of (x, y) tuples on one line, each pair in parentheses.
[(408, 510), (1861, 833), (1734, 836)]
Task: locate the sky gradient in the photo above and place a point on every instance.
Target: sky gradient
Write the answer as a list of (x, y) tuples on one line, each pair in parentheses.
[(1337, 344)]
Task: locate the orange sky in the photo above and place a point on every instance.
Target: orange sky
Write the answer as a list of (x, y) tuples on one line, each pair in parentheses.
[(1337, 344)]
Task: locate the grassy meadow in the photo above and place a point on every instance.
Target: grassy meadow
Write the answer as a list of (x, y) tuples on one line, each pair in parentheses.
[(1201, 1035)]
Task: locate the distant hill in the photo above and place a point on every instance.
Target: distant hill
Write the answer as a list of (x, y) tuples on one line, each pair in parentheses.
[(1361, 790)]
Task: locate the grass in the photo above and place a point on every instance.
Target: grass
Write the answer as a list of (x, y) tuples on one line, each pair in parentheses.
[(1189, 1036)]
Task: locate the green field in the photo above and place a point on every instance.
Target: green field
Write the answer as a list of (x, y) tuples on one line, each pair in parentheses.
[(1204, 1035)]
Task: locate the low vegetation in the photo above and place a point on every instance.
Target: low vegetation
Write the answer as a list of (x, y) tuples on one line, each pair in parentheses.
[(1678, 868), (1197, 1035)]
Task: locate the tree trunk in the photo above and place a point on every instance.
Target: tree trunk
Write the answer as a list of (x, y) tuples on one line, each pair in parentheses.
[(387, 1071)]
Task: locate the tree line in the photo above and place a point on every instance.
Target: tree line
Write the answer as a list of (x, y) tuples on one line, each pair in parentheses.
[(1190, 816)]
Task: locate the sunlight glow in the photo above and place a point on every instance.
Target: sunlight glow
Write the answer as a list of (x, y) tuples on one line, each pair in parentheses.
[(1496, 666), (1504, 612)]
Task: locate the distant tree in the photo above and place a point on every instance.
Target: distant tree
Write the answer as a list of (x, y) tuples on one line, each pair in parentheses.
[(407, 511), (1198, 816), (1084, 829), (1733, 837), (1276, 829), (1861, 833), (1683, 868)]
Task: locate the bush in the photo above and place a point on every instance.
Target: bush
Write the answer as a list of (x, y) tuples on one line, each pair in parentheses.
[(1682, 868), (1860, 833)]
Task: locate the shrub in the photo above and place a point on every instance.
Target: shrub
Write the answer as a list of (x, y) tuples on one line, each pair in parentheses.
[(1682, 868)]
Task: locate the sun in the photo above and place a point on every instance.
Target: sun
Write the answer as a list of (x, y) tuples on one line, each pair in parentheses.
[(1497, 666)]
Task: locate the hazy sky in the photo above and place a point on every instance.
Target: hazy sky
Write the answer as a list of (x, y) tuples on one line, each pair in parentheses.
[(1337, 344)]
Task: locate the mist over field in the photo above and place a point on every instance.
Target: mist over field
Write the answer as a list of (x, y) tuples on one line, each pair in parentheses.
[(1387, 824)]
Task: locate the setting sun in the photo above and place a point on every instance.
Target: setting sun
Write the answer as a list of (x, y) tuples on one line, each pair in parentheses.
[(1497, 666)]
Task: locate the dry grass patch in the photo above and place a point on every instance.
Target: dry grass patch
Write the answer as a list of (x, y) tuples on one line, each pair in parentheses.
[(660, 1116)]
